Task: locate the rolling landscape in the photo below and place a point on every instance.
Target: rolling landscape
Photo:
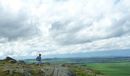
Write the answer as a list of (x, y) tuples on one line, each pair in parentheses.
[(64, 37), (109, 66)]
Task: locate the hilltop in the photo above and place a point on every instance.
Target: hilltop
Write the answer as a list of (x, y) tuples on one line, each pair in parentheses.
[(11, 67)]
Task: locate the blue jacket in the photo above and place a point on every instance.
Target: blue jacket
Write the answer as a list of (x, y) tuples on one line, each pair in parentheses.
[(38, 58)]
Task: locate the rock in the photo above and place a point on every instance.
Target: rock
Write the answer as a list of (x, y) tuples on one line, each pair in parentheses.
[(33, 70), (10, 60)]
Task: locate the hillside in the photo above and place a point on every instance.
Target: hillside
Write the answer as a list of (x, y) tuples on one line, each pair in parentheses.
[(10, 68)]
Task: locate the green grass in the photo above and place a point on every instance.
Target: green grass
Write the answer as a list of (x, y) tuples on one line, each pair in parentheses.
[(112, 69)]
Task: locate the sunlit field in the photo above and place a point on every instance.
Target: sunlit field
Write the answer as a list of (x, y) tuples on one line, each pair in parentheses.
[(112, 69)]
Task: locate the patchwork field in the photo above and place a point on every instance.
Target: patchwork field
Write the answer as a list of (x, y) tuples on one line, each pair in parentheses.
[(112, 69)]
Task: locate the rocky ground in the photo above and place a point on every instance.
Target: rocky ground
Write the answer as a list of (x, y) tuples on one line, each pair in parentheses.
[(10, 67)]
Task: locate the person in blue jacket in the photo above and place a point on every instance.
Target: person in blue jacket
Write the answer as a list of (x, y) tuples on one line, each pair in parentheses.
[(39, 59)]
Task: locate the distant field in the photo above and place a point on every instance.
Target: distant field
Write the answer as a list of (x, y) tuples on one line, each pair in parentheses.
[(82, 60), (112, 69)]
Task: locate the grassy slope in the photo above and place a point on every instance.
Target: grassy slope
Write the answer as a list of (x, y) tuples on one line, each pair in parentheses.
[(112, 69), (8, 69)]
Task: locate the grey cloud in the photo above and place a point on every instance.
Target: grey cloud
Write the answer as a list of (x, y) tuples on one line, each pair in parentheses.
[(68, 26), (117, 1), (14, 26), (120, 27), (66, 33)]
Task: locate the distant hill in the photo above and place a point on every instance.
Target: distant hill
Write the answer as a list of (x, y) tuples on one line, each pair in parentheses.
[(82, 60), (103, 53)]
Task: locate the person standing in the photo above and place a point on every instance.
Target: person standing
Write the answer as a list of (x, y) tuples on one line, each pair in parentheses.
[(39, 59)]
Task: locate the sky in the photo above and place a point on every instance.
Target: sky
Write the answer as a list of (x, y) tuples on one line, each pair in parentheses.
[(61, 27)]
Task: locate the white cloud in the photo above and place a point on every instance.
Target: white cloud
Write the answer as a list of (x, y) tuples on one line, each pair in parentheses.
[(63, 26)]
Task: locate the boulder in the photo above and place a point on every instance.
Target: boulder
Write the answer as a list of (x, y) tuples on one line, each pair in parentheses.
[(10, 60)]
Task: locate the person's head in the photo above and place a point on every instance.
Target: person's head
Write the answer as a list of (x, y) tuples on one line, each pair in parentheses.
[(39, 54)]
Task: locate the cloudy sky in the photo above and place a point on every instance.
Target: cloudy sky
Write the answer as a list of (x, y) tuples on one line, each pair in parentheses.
[(58, 27)]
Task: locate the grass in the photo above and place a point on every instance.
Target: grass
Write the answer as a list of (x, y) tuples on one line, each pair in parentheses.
[(112, 69), (79, 70)]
